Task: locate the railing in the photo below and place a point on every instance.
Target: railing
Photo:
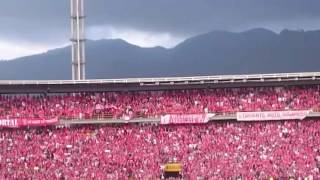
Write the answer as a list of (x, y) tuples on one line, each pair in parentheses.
[(137, 116), (110, 120), (311, 75)]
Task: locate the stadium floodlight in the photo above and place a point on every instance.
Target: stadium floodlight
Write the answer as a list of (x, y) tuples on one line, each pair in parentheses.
[(77, 39)]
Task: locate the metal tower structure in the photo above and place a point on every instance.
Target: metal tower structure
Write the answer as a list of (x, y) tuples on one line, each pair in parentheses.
[(78, 40)]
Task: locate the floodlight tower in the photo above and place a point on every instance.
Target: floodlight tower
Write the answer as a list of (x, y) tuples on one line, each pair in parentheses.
[(78, 40)]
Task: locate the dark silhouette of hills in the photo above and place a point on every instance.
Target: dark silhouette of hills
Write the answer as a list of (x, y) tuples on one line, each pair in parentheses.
[(214, 53)]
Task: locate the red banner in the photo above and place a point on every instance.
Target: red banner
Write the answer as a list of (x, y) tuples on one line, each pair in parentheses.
[(185, 118), (16, 123), (271, 115)]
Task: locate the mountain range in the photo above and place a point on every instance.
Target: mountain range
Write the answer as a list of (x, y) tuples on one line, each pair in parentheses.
[(214, 53)]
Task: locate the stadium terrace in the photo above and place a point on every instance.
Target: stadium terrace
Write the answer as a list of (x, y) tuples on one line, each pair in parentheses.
[(123, 133)]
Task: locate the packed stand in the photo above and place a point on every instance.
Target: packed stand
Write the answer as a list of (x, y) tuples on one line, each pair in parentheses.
[(223, 150), (129, 105)]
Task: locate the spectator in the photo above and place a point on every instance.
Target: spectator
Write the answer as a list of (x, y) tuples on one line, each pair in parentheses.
[(215, 150), (151, 104)]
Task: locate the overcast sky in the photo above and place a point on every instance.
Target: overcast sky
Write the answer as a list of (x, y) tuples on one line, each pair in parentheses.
[(33, 26)]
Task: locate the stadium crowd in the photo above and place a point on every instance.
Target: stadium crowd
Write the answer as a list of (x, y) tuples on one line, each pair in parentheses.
[(219, 150), (128, 105)]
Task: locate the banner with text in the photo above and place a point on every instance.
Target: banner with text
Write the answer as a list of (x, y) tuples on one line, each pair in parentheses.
[(185, 118), (16, 123), (271, 115)]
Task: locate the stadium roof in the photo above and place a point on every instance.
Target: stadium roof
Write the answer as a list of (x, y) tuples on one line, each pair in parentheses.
[(29, 86)]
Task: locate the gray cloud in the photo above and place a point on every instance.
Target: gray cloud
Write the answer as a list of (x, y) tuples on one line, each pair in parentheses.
[(34, 20), (46, 21), (194, 16)]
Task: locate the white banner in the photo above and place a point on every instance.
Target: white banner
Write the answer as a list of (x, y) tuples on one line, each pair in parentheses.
[(12, 123), (185, 118), (272, 115)]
